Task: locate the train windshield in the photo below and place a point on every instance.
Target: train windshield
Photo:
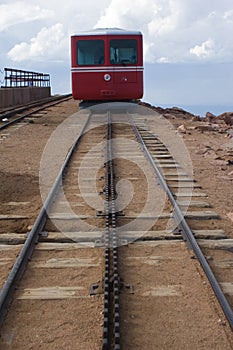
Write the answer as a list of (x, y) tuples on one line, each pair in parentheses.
[(123, 51), (90, 52)]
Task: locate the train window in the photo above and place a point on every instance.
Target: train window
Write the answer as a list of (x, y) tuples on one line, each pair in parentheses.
[(123, 51), (90, 52)]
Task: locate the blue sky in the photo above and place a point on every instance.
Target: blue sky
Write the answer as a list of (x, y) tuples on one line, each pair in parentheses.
[(188, 46)]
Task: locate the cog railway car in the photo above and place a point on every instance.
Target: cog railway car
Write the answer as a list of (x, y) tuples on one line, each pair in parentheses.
[(107, 64)]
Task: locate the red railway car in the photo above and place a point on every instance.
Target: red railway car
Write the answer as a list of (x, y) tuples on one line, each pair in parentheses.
[(107, 64)]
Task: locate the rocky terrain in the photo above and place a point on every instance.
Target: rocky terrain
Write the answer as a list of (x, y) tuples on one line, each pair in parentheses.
[(225, 118)]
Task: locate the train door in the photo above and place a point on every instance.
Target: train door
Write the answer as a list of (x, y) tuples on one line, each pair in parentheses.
[(124, 56)]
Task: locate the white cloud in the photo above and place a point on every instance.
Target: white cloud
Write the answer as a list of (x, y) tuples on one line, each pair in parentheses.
[(172, 27), (174, 30), (206, 49), (228, 16), (163, 60), (49, 43), (52, 41), (21, 12)]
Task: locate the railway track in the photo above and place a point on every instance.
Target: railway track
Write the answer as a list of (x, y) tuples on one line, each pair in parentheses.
[(16, 114), (108, 227)]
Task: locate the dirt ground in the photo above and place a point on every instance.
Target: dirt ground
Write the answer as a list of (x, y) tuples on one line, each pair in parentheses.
[(21, 149)]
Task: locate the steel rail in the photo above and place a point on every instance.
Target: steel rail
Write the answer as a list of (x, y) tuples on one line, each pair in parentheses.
[(24, 256), (8, 112), (48, 103), (187, 232), (111, 333)]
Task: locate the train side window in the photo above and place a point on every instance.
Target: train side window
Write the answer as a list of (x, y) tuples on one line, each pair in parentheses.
[(123, 51), (90, 52)]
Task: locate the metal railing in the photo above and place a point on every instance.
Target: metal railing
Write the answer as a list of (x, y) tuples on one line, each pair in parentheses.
[(21, 78)]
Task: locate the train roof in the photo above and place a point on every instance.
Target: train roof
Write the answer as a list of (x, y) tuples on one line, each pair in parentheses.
[(108, 31)]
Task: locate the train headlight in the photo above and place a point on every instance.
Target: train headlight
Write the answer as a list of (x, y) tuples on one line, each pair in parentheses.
[(107, 77)]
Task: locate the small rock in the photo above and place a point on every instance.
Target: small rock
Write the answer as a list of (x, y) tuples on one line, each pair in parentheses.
[(210, 116), (215, 126), (196, 118), (220, 162), (209, 258), (229, 120), (182, 129), (230, 133), (168, 116), (201, 151), (230, 215), (221, 322), (203, 128), (227, 117)]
